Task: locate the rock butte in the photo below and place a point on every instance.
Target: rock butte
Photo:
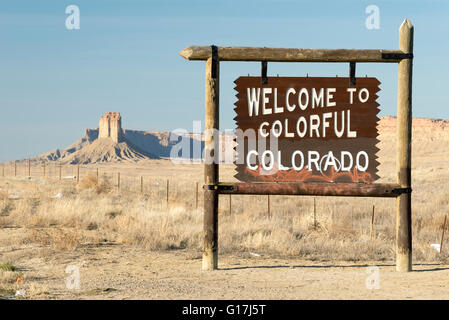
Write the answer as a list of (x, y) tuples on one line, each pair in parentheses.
[(111, 127)]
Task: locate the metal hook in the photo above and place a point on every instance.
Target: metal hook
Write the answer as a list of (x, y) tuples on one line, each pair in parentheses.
[(352, 73), (264, 72), (214, 61)]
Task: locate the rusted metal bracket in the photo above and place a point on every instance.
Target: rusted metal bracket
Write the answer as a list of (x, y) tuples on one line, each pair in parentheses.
[(352, 73), (310, 189), (264, 72), (214, 61), (218, 187), (400, 191), (396, 56)]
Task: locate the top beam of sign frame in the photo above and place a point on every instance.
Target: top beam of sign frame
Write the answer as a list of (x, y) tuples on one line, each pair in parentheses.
[(295, 55)]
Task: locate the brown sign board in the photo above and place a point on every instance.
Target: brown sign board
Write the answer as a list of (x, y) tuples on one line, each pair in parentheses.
[(306, 129)]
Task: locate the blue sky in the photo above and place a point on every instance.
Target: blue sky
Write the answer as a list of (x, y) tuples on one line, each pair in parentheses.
[(55, 82)]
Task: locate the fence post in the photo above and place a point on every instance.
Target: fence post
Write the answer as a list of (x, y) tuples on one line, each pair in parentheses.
[(372, 225), (230, 204), (211, 176), (29, 168), (97, 177), (78, 174), (118, 181), (404, 133), (442, 235), (196, 196), (44, 169), (60, 172), (268, 206), (141, 184), (15, 168), (167, 189)]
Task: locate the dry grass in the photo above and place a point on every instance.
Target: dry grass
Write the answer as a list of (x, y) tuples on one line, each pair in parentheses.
[(89, 182), (9, 276), (56, 238), (10, 279), (7, 266), (84, 214), (3, 195)]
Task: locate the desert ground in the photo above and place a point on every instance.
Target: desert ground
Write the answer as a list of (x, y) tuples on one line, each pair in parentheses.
[(134, 242)]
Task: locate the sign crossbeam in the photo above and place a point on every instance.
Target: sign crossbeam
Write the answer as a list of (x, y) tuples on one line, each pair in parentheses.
[(295, 55)]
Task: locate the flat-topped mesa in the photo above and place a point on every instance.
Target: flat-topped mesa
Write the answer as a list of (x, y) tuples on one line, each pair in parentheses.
[(111, 127)]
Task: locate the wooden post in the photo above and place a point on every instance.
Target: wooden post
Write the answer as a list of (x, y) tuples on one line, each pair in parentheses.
[(230, 204), (78, 174), (314, 213), (404, 133), (118, 181), (15, 168), (60, 172), (211, 174), (44, 169), (97, 177), (442, 235), (29, 168), (372, 226)]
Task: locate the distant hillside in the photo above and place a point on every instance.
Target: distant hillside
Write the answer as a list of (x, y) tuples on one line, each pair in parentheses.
[(133, 146), (103, 144)]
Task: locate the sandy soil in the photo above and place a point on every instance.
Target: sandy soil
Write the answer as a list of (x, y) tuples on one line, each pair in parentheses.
[(116, 271)]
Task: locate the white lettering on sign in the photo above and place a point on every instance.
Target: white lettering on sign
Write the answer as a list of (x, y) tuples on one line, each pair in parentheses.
[(314, 160), (253, 101)]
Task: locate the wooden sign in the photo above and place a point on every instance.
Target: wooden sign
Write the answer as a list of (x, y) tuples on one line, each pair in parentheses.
[(306, 129), (317, 129)]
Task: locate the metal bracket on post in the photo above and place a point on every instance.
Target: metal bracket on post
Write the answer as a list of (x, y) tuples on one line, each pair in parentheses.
[(214, 61), (218, 187), (400, 191), (352, 73), (396, 56), (264, 72)]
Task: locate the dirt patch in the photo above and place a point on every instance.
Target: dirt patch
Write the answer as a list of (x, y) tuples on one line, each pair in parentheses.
[(119, 271)]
